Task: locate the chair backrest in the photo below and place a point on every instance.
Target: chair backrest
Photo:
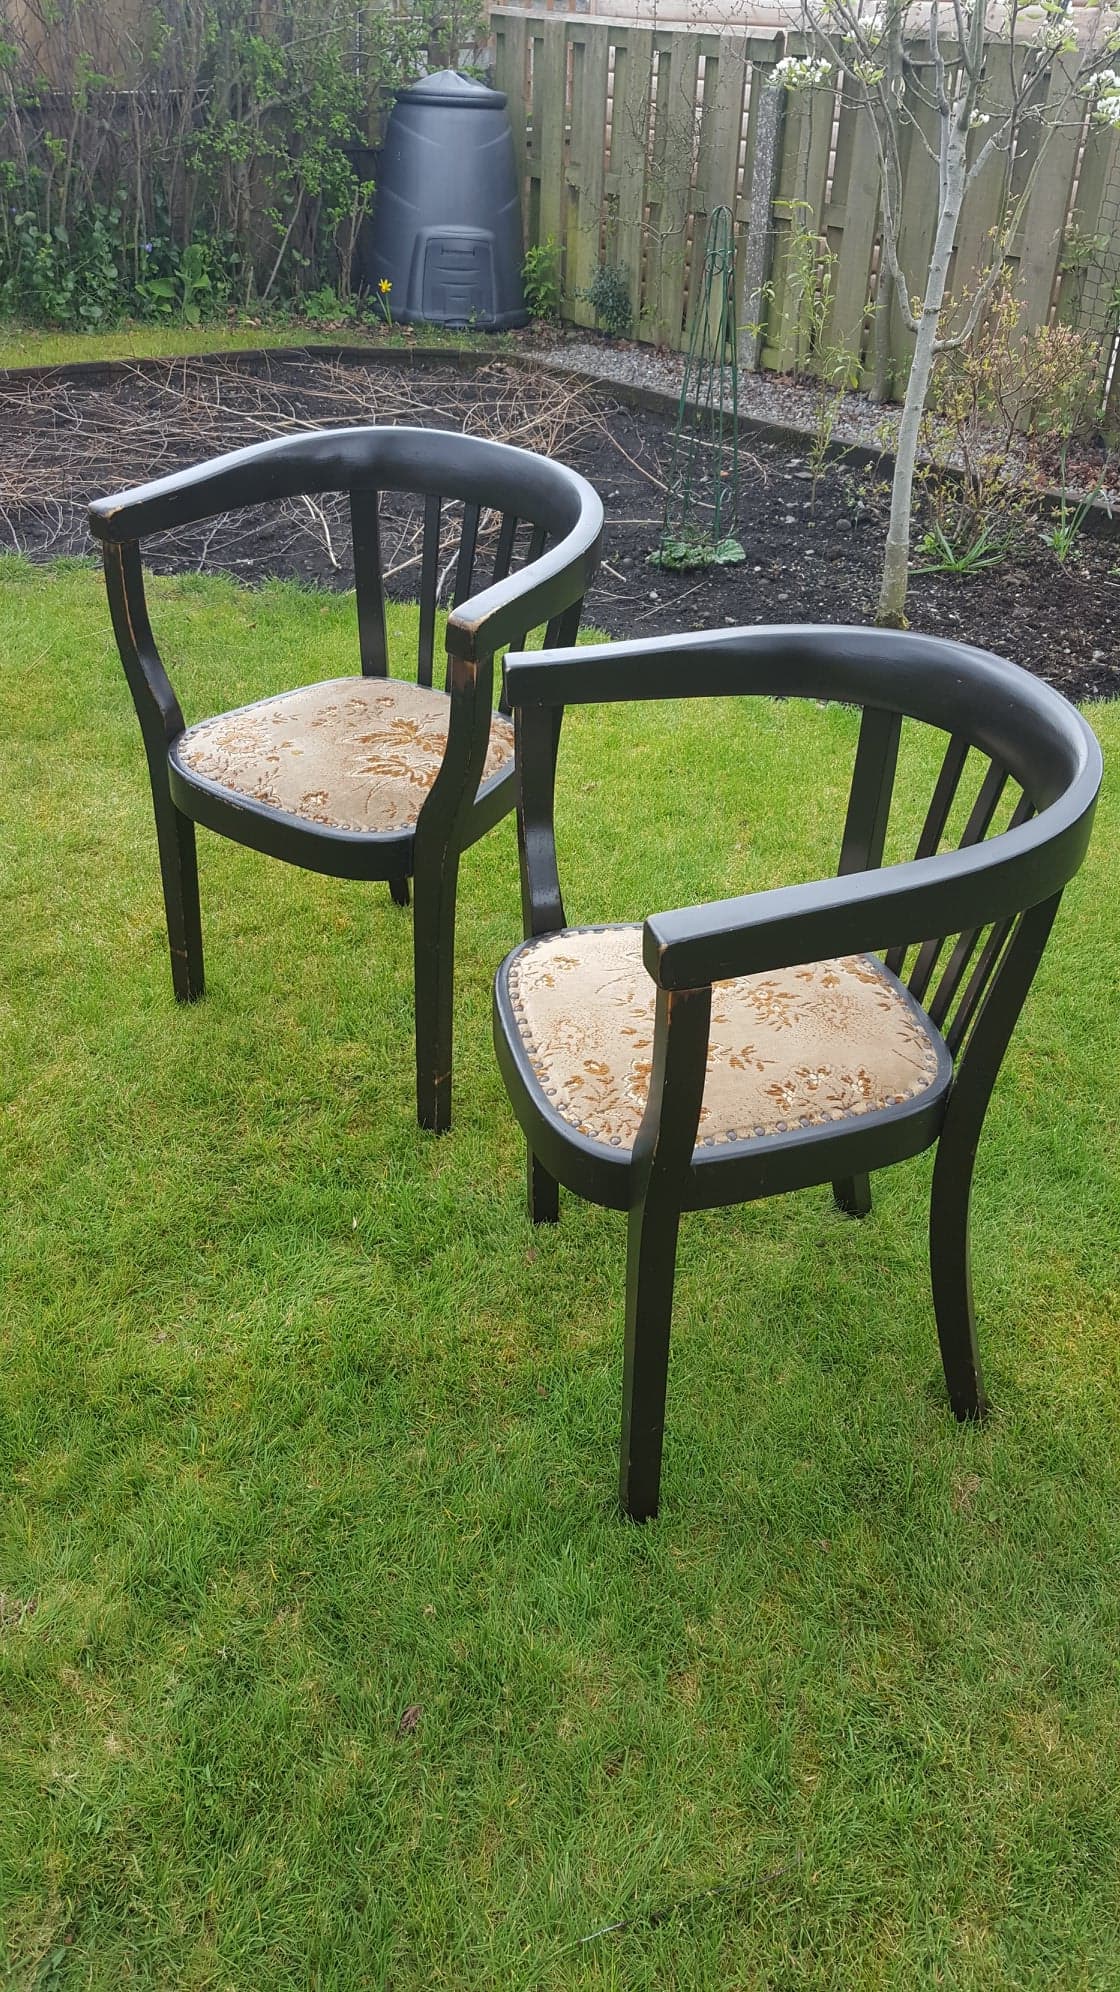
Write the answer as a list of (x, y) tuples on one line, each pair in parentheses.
[(1020, 767), (548, 520)]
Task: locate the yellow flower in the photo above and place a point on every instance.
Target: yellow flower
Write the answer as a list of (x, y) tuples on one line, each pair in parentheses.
[(385, 286)]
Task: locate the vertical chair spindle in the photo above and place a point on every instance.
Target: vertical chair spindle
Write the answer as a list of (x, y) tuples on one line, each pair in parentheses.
[(464, 566), (503, 557), (937, 815), (977, 827), (365, 525), (429, 580)]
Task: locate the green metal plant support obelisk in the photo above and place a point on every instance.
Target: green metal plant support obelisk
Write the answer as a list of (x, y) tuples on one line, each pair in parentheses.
[(702, 491)]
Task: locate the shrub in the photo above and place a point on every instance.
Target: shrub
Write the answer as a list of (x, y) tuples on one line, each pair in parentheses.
[(608, 294), (202, 160), (1001, 408), (540, 280)]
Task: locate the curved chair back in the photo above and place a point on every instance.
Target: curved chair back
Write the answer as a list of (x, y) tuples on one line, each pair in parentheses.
[(1019, 763), (559, 511)]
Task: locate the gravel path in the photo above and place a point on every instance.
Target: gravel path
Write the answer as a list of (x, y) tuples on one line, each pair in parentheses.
[(766, 397), (772, 398)]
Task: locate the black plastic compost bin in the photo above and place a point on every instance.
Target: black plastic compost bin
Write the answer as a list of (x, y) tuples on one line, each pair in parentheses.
[(446, 228)]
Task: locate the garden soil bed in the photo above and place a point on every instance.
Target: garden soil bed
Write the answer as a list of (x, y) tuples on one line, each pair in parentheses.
[(76, 433)]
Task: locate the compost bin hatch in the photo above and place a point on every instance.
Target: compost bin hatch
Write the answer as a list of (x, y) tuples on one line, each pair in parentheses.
[(446, 230)]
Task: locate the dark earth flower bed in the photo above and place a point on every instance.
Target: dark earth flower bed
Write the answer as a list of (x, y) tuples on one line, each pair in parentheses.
[(812, 554)]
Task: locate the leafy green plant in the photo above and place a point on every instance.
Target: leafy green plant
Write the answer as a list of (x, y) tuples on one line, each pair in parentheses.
[(187, 284), (222, 172), (325, 306), (194, 281), (809, 267), (682, 553), (540, 280), (1000, 406), (608, 294), (1081, 250), (978, 479), (964, 558), (66, 274), (1065, 531)]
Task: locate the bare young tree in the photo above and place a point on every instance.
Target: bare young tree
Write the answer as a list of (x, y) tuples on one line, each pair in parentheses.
[(922, 69)]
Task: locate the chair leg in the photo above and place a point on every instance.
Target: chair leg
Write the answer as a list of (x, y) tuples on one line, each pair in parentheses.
[(951, 1277), (433, 941), (398, 891), (650, 1267), (852, 1195), (544, 1192), (178, 865)]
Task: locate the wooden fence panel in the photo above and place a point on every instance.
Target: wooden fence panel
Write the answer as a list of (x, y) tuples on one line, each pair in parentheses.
[(798, 210), (717, 157), (985, 199), (676, 153), (851, 223), (586, 162), (511, 74), (630, 136), (1048, 202), (669, 189), (917, 228), (550, 99)]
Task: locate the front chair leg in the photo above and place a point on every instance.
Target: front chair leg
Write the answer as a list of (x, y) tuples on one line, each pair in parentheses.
[(178, 865), (650, 1266), (544, 1192), (398, 891), (852, 1195), (951, 1276), (433, 940)]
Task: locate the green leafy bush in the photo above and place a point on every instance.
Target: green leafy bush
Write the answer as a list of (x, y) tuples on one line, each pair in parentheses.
[(540, 280), (215, 169), (608, 294)]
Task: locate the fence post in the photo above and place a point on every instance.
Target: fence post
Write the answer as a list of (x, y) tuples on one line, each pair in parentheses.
[(759, 253), (585, 181), (629, 150)]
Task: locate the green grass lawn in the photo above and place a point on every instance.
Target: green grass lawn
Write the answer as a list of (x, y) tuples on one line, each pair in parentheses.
[(302, 1428), (31, 346)]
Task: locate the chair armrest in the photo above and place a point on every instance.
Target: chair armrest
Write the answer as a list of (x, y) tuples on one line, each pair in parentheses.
[(611, 673), (535, 594), (864, 911)]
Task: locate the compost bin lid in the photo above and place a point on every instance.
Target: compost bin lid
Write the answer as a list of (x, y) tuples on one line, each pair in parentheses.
[(455, 92)]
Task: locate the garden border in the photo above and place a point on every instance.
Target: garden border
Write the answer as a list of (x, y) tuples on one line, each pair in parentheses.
[(1100, 519)]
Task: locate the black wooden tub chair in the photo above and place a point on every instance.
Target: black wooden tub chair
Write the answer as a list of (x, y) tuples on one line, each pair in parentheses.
[(369, 777), (807, 1035)]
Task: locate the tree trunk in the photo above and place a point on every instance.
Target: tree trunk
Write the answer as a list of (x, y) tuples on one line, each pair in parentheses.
[(891, 612)]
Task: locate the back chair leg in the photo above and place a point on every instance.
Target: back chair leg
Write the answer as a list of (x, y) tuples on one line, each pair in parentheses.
[(433, 940), (178, 865), (650, 1266), (544, 1192), (951, 1276), (398, 891), (852, 1195)]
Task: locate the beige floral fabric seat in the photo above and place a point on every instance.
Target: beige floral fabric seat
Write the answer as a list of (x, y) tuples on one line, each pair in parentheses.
[(352, 753), (797, 1047)]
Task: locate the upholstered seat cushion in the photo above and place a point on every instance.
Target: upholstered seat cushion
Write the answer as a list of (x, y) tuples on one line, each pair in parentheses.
[(350, 753), (798, 1047)]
